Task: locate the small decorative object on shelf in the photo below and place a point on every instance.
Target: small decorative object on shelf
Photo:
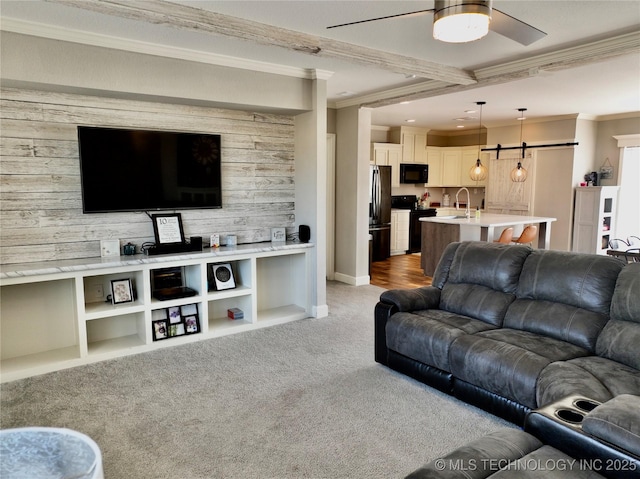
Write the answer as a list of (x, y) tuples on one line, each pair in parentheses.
[(109, 248), (232, 240), (221, 277), (235, 313), (278, 235), (214, 240)]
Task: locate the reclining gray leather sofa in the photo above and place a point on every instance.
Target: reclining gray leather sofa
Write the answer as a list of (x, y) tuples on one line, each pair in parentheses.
[(509, 329)]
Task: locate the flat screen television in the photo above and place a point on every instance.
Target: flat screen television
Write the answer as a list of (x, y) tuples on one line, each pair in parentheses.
[(143, 170)]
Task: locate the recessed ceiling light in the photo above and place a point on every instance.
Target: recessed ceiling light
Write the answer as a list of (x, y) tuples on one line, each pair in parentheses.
[(470, 111), (346, 93), (405, 102), (460, 126), (410, 121)]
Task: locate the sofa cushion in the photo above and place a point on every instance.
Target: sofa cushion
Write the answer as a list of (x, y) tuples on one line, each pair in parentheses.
[(556, 320), (507, 362), (427, 335), (591, 376), (616, 422), (585, 281), (482, 279), (566, 296), (620, 338)]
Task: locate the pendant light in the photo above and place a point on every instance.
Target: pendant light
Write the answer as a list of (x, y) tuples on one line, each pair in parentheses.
[(478, 172), (519, 174), (460, 21)]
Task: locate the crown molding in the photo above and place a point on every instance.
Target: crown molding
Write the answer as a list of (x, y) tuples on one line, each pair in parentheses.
[(115, 43)]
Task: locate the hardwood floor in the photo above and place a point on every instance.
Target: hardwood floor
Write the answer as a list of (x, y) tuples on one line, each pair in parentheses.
[(399, 272)]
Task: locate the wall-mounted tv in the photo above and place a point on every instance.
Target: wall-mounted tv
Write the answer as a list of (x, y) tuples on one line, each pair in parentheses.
[(144, 170)]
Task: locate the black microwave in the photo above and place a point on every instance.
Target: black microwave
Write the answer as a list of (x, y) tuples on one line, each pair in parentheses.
[(414, 173)]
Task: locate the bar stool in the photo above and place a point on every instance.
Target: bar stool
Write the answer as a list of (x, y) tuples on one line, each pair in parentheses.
[(505, 236), (528, 235)]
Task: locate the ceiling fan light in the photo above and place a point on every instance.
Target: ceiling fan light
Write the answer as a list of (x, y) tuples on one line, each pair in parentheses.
[(460, 21)]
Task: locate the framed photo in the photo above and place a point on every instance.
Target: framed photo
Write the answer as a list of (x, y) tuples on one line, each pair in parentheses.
[(189, 310), (221, 276), (278, 235), (167, 228), (160, 330), (121, 291), (174, 315), (176, 329), (192, 325)]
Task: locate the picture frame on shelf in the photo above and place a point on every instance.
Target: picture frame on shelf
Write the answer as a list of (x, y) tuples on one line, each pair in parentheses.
[(192, 324), (189, 310), (167, 228), (174, 315), (176, 330), (160, 330), (121, 291), (221, 277)]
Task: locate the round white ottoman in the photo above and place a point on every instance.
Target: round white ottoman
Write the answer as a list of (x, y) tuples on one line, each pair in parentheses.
[(51, 453)]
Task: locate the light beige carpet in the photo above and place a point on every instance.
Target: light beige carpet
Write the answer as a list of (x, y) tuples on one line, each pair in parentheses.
[(301, 400)]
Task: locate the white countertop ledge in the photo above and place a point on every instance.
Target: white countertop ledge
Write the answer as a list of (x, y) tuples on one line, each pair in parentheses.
[(21, 270), (489, 220)]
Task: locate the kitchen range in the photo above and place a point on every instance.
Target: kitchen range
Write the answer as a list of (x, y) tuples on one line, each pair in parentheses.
[(409, 202)]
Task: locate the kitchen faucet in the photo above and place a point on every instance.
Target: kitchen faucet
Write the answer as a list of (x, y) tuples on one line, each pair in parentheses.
[(467, 212)]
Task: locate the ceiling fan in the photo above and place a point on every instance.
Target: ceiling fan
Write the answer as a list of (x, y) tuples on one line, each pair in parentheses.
[(459, 21)]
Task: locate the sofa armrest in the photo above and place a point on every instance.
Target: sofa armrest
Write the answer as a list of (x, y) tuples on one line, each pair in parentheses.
[(416, 299), (398, 300), (616, 422)]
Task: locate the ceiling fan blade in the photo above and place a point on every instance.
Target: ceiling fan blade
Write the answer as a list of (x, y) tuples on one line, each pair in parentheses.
[(417, 12), (514, 29)]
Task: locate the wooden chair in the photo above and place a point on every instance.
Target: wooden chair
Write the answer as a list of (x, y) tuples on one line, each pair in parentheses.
[(528, 236), (506, 236)]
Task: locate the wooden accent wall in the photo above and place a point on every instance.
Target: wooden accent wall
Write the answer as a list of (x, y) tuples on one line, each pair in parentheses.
[(40, 196)]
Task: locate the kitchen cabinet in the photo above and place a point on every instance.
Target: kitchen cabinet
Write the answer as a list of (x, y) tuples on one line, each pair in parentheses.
[(434, 160), (451, 166), (594, 218), (388, 154), (413, 142), (399, 231)]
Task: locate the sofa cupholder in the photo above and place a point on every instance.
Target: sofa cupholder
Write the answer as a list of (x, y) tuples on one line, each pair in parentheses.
[(568, 415), (586, 405)]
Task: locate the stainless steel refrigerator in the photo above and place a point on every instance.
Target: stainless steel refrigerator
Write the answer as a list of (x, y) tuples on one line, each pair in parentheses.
[(380, 211)]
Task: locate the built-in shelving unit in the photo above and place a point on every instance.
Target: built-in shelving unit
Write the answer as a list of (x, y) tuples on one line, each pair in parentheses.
[(594, 218), (54, 315)]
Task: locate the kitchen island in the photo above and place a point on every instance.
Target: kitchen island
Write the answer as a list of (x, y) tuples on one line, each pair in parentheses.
[(439, 231)]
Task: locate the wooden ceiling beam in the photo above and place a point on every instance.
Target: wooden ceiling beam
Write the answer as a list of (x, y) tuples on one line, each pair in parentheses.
[(593, 52), (203, 21)]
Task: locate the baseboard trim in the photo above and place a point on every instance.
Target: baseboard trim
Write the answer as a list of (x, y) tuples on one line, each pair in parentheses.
[(352, 280), (321, 311)]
